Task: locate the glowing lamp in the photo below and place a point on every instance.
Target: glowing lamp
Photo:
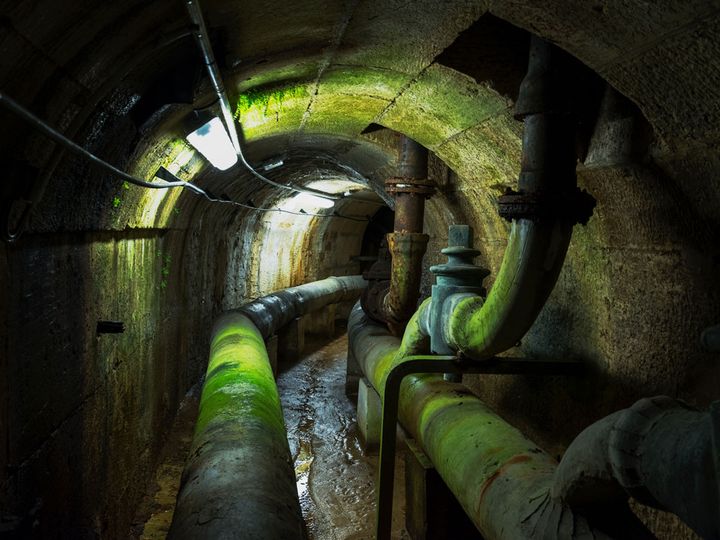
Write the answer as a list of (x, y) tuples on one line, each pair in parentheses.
[(303, 200), (213, 142)]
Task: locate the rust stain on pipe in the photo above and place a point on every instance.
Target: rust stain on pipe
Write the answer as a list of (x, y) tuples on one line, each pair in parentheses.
[(407, 244), (497, 474)]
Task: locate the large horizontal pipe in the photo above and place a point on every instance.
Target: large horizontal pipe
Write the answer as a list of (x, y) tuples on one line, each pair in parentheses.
[(660, 451), (500, 477), (239, 481), (275, 310)]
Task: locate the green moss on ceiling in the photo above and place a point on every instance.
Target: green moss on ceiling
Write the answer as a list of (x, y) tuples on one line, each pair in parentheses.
[(272, 110)]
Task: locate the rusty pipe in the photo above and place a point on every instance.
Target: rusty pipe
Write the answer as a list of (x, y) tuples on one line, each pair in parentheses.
[(409, 212), (400, 302), (410, 187), (413, 159), (407, 244)]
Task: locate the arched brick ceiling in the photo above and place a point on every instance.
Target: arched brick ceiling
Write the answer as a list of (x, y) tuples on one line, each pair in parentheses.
[(333, 68)]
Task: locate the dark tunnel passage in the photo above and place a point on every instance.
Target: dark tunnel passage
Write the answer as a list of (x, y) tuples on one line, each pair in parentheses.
[(113, 294)]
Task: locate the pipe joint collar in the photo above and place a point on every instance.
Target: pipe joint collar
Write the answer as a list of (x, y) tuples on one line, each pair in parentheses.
[(574, 206), (416, 186), (407, 247)]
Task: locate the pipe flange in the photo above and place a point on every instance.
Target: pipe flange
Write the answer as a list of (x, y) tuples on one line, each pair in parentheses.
[(372, 300), (574, 207), (418, 186)]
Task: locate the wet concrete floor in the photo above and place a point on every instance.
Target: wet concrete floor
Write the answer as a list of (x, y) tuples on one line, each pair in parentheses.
[(335, 479)]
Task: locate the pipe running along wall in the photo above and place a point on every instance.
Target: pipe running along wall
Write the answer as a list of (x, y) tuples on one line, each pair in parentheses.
[(542, 213), (500, 477), (660, 451), (238, 481), (407, 243)]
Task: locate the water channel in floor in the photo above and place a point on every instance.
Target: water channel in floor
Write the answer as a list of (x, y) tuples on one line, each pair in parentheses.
[(335, 478)]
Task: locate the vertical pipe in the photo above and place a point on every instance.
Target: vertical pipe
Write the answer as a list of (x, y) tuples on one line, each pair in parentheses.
[(407, 244), (549, 204)]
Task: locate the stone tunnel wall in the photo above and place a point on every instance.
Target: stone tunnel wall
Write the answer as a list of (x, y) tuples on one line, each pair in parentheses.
[(82, 415)]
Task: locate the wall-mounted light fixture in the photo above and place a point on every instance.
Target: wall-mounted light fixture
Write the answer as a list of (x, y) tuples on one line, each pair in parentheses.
[(213, 142)]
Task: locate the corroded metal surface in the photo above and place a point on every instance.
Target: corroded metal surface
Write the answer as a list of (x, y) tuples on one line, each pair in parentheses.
[(407, 250), (394, 299)]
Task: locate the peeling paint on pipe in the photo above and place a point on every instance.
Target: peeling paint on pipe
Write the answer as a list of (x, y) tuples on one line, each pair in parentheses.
[(500, 477), (239, 481), (394, 303)]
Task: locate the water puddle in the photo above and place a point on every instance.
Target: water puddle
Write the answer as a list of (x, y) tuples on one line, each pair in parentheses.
[(335, 479)]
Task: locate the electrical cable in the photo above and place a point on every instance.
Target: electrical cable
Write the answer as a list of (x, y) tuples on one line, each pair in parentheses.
[(75, 148), (39, 186), (201, 35)]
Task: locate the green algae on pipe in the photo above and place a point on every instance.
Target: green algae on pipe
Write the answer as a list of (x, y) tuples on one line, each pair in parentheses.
[(500, 477), (238, 481), (533, 259)]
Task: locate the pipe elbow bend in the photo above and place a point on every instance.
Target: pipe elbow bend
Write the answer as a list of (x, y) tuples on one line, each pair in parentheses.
[(462, 328)]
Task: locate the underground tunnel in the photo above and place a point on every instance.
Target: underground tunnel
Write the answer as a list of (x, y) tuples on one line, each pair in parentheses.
[(350, 269)]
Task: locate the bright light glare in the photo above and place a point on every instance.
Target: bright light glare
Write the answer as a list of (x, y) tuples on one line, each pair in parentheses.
[(213, 142), (304, 200)]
